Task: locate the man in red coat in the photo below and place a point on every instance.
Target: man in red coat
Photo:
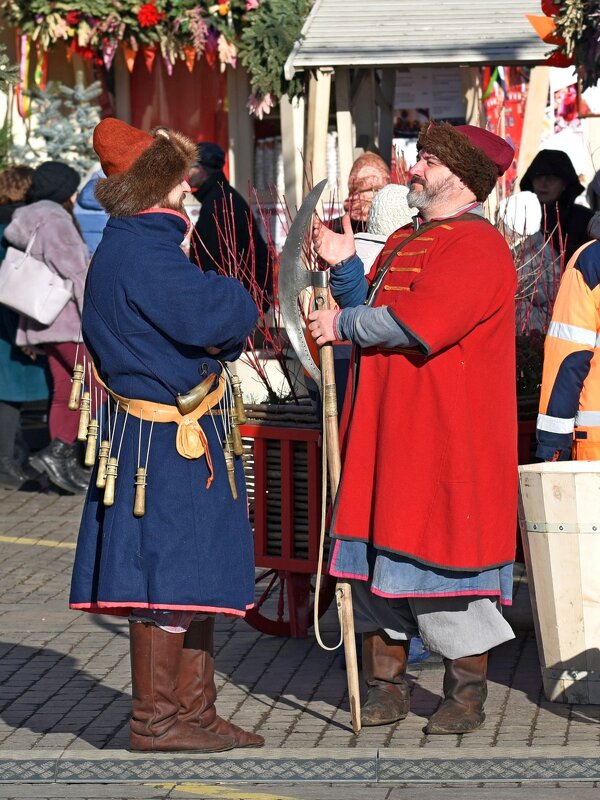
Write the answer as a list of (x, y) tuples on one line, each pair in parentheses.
[(424, 519)]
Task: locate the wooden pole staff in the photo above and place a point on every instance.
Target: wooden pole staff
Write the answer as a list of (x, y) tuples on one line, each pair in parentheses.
[(343, 590)]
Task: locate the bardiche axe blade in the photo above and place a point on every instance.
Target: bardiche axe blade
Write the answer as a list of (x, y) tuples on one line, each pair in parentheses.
[(294, 278)]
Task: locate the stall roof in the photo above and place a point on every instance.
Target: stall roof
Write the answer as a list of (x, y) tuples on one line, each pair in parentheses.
[(378, 33)]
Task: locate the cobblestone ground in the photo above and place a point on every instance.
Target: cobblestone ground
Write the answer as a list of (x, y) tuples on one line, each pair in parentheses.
[(65, 682)]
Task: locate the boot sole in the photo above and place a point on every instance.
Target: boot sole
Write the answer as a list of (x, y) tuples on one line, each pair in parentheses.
[(11, 486), (148, 747), (176, 750), (40, 466), (446, 732), (365, 724)]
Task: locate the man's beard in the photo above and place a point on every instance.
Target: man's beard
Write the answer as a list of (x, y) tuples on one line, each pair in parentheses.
[(178, 206), (430, 194)]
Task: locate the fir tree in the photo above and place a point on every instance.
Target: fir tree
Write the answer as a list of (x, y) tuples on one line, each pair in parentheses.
[(63, 118), (9, 72), (9, 75)]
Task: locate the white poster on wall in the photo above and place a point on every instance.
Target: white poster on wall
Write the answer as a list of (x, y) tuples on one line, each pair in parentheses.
[(424, 93)]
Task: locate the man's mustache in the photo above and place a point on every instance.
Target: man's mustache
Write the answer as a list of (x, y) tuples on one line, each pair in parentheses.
[(417, 180)]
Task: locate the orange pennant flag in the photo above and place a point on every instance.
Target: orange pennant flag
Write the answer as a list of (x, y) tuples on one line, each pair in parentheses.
[(149, 52), (130, 55), (190, 57), (545, 27)]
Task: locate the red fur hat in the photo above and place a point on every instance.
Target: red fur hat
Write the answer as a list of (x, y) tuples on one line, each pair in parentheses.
[(141, 168), (478, 157)]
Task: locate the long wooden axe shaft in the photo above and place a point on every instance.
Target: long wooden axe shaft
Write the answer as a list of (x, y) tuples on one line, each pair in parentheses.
[(343, 592), (293, 279)]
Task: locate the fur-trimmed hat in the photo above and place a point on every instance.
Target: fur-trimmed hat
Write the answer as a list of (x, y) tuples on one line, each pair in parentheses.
[(476, 156), (141, 168)]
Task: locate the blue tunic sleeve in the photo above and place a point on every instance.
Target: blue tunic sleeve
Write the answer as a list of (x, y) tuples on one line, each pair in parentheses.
[(195, 308), (348, 283)]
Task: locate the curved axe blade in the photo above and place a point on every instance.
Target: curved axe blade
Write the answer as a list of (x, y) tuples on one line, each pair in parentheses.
[(293, 278)]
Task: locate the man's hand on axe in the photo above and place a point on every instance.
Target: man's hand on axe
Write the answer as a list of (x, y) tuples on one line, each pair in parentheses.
[(322, 325), (333, 247)]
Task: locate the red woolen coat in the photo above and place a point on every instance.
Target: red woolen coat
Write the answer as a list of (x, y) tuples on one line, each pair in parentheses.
[(430, 437)]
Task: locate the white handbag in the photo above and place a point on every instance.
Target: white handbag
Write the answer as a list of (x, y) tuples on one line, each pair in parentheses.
[(32, 288)]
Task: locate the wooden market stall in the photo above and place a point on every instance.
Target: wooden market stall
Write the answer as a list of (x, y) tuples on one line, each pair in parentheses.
[(357, 49)]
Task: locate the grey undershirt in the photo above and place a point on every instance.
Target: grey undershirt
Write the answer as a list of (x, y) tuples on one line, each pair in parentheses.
[(370, 327)]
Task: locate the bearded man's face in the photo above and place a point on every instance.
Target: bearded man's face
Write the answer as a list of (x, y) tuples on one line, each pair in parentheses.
[(431, 183)]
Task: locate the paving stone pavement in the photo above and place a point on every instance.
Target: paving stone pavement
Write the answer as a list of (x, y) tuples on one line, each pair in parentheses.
[(65, 696)]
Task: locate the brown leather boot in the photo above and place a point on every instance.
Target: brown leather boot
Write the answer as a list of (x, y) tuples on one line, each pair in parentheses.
[(155, 659), (465, 691), (197, 691), (384, 666)]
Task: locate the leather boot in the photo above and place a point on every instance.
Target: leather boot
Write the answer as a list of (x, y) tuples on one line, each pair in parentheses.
[(465, 691), (11, 474), (197, 691), (384, 666), (155, 661), (78, 474), (53, 461)]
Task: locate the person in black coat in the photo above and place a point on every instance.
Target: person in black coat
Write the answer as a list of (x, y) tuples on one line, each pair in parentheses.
[(226, 237), (552, 177)]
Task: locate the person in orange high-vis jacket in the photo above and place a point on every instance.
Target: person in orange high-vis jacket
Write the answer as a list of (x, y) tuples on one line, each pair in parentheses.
[(568, 425)]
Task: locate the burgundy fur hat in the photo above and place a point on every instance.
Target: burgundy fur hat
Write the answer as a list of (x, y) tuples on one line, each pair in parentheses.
[(141, 168), (476, 156)]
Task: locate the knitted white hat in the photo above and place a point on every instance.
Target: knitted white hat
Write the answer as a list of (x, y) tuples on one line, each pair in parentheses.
[(521, 213), (389, 210)]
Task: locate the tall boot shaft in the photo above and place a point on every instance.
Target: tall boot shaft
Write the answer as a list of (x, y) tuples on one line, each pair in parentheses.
[(155, 724), (384, 664), (197, 690), (155, 656), (465, 692), (384, 658)]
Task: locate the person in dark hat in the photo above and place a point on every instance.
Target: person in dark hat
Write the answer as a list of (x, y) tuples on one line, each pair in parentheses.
[(170, 547), (551, 175), (424, 520), (226, 237), (58, 243)]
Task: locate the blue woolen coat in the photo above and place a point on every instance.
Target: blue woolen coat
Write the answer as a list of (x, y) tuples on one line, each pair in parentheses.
[(148, 317)]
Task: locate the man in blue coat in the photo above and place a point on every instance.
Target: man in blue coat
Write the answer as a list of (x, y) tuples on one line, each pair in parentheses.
[(176, 548)]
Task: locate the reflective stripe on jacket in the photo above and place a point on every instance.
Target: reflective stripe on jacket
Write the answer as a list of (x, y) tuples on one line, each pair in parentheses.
[(569, 418)]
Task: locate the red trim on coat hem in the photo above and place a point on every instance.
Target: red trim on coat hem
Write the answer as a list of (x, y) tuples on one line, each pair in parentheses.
[(349, 575), (113, 608)]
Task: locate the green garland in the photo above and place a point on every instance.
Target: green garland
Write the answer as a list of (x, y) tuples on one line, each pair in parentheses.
[(265, 45), (578, 23), (260, 32)]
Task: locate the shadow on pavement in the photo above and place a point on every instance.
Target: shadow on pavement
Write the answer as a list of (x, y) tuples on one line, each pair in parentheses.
[(44, 691)]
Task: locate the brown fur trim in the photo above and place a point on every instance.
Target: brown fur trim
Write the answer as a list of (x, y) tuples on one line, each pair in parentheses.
[(466, 161), (152, 176)]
